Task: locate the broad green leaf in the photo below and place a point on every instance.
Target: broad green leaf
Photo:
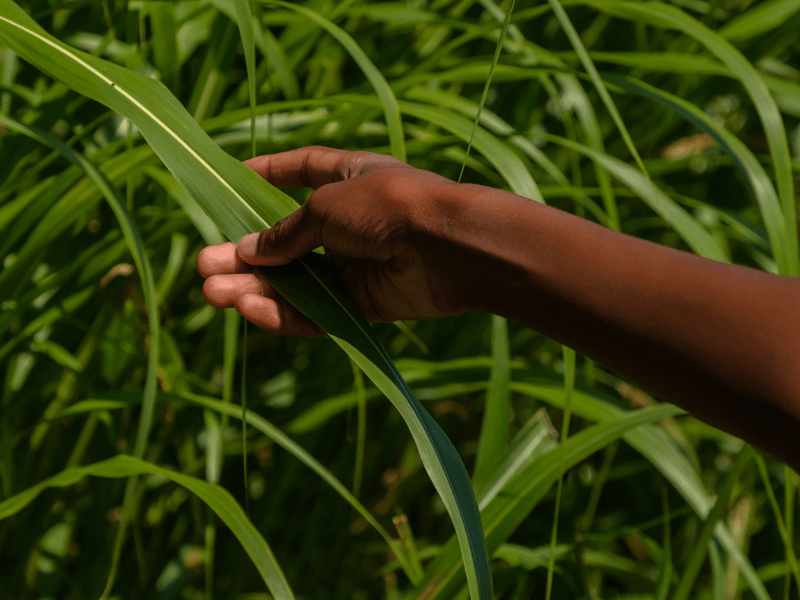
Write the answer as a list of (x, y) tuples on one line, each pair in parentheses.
[(218, 498), (239, 202)]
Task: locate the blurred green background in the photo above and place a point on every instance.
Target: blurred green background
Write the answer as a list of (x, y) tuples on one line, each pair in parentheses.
[(73, 321)]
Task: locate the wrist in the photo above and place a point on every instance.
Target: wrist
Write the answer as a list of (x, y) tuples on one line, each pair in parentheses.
[(482, 240)]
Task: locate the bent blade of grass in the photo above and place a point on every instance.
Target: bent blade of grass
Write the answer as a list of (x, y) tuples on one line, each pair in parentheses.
[(671, 17), (391, 110), (216, 497), (240, 202), (660, 449), (743, 158), (690, 230), (524, 491), (120, 400), (587, 63)]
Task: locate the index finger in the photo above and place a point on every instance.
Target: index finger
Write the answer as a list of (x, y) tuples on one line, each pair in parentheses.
[(315, 166)]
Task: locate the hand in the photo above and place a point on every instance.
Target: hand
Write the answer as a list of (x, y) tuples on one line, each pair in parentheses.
[(377, 220)]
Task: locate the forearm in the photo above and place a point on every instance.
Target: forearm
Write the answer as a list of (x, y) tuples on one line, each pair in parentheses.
[(716, 339)]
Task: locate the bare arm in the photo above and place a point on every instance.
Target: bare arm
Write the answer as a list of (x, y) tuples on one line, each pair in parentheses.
[(718, 340)]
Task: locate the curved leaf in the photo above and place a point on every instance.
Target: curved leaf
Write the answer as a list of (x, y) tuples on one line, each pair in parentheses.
[(239, 202), (216, 497)]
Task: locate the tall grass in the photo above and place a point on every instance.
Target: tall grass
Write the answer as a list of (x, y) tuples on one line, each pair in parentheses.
[(675, 122)]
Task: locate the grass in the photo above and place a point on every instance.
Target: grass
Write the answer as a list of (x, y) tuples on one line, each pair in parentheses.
[(121, 387)]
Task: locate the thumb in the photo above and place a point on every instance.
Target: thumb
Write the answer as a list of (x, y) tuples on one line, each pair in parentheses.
[(290, 238)]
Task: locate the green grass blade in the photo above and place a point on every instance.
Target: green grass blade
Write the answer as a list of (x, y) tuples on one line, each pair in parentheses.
[(243, 392), (361, 431), (759, 19), (239, 202), (164, 43), (665, 578), (785, 532), (743, 158), (587, 63), (391, 110), (142, 262), (245, 21), (119, 400), (219, 499), (494, 430), (719, 510), (697, 237), (569, 388), (671, 17), (523, 492), (496, 57), (533, 439), (661, 450)]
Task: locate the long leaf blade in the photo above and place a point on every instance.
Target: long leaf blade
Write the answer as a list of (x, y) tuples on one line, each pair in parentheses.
[(239, 202)]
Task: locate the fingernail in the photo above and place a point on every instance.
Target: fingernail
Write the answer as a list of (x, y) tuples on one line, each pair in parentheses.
[(247, 246)]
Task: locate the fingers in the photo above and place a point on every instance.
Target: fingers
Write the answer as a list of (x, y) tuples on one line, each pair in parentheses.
[(276, 317), (223, 291), (220, 259), (258, 302), (316, 166), (290, 238)]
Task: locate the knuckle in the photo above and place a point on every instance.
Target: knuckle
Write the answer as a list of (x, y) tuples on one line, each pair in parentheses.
[(266, 240)]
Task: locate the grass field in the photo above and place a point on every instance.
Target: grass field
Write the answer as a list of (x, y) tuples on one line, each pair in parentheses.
[(126, 468)]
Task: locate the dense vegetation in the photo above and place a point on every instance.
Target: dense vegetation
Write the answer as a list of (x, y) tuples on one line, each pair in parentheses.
[(703, 96)]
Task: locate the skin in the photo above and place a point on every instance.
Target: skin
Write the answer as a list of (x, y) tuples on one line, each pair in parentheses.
[(718, 340)]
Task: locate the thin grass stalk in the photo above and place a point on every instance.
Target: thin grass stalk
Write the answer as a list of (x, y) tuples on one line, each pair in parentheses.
[(587, 63), (696, 559), (662, 591), (786, 534), (789, 491), (361, 428), (244, 17), (496, 57), (243, 393), (569, 388)]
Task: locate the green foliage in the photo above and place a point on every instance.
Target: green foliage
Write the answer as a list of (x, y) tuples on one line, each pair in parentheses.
[(108, 349)]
